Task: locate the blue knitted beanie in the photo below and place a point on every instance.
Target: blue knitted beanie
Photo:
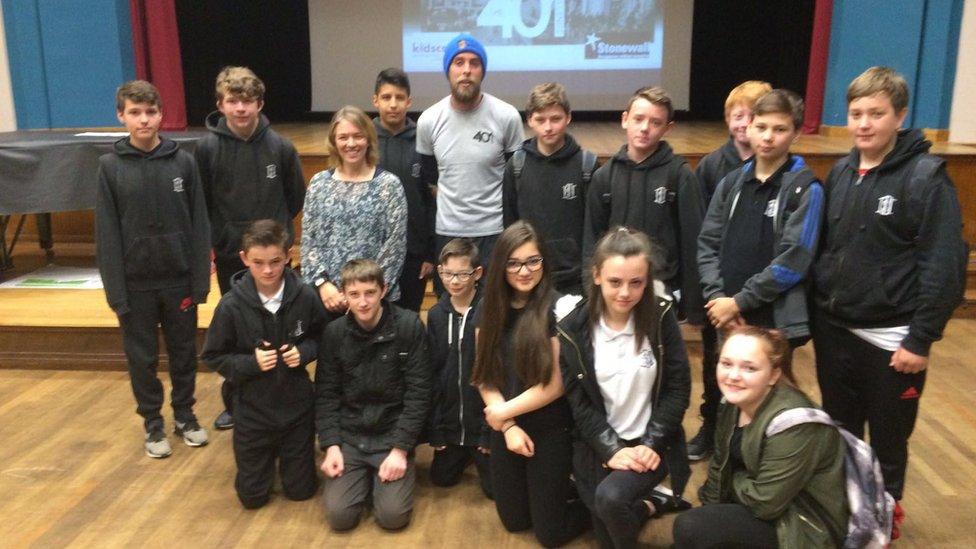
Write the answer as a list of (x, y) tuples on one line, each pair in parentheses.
[(464, 43)]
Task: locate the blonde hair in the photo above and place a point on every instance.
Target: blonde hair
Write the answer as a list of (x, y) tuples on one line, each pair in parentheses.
[(880, 80), (546, 95), (746, 93), (358, 118), (240, 81)]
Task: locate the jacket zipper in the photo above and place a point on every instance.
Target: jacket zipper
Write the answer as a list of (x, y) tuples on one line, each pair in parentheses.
[(579, 355), (660, 350), (460, 339)]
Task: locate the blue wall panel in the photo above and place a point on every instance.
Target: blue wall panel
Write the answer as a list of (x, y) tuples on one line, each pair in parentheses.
[(919, 39), (67, 60), (22, 27), (937, 64)]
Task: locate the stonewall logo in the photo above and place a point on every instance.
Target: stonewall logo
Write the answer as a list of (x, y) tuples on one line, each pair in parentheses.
[(616, 47)]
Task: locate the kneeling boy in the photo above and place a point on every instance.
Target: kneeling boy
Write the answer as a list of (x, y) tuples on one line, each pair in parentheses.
[(372, 396), (263, 334), (458, 431)]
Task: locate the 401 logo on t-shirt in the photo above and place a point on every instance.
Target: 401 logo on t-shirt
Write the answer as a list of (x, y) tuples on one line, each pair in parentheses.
[(484, 136)]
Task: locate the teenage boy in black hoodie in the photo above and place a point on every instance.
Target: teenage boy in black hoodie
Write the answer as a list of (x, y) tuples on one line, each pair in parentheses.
[(545, 184), (646, 187), (397, 135), (372, 386), (263, 335), (457, 428), (890, 273), (153, 253), (249, 172), (712, 168)]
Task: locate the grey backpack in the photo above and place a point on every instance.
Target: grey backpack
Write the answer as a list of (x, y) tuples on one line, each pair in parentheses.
[(870, 505)]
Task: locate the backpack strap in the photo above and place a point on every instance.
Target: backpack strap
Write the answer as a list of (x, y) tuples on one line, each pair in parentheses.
[(797, 416), (589, 164), (925, 169), (518, 162)]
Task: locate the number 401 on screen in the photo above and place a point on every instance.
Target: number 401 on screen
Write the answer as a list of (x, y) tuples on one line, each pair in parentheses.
[(507, 14)]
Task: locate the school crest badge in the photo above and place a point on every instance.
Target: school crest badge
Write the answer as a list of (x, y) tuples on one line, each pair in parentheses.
[(886, 205), (177, 184), (272, 170), (660, 195), (569, 191)]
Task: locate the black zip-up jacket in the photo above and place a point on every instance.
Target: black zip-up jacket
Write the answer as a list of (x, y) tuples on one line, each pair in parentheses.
[(247, 180), (457, 411), (892, 252), (714, 166), (372, 389), (399, 156), (660, 197), (796, 227), (282, 395), (151, 225), (672, 388), (551, 195)]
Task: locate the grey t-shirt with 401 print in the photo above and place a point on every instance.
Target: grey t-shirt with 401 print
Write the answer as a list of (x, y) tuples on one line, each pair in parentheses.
[(470, 148)]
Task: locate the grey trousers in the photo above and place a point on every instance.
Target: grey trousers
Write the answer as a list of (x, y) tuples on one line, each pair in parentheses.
[(345, 496)]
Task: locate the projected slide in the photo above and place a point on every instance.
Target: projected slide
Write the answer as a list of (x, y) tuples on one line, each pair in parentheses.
[(537, 35)]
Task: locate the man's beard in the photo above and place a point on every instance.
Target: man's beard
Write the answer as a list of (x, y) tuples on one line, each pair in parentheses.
[(466, 95)]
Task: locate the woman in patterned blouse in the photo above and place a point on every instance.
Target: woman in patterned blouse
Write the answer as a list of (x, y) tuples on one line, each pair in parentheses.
[(353, 210)]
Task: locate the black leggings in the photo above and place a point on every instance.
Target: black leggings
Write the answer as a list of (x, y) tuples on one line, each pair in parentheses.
[(534, 492), (725, 525)]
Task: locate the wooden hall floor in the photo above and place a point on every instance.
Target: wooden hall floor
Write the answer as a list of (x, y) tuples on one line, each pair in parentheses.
[(73, 473)]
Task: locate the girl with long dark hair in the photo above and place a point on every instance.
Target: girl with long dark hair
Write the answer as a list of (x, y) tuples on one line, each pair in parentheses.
[(516, 371)]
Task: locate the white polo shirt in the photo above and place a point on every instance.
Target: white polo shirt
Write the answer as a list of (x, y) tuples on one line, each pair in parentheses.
[(626, 378)]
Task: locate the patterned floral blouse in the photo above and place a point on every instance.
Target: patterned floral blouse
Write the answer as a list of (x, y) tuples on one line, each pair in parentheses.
[(347, 220)]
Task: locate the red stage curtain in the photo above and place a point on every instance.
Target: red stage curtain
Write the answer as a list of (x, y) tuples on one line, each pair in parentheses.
[(156, 46), (817, 71)]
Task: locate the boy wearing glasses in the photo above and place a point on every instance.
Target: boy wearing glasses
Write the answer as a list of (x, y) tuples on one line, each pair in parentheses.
[(457, 429)]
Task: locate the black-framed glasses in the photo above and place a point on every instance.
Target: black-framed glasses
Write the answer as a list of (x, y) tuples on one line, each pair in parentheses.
[(462, 276), (533, 264)]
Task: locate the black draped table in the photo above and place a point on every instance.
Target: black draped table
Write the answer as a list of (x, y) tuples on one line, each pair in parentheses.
[(45, 171)]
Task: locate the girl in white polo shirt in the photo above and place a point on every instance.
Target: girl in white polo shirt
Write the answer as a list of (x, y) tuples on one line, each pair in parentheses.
[(626, 378)]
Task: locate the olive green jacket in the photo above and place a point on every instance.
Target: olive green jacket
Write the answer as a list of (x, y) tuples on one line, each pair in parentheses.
[(795, 479)]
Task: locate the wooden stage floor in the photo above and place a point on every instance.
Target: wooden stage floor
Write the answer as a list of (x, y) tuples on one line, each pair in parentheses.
[(73, 473)]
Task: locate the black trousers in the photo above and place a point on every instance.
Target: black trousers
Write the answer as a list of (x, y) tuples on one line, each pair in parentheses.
[(258, 449), (711, 395), (449, 464), (859, 386), (412, 289), (726, 525), (535, 492), (485, 244), (149, 310)]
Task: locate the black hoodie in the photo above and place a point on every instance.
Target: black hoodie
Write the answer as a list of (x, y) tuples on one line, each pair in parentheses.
[(550, 194), (151, 223), (457, 412), (282, 395), (399, 156), (892, 249), (714, 166), (660, 197), (246, 180)]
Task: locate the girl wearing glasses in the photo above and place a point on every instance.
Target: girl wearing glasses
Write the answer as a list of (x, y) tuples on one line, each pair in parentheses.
[(626, 379), (517, 372)]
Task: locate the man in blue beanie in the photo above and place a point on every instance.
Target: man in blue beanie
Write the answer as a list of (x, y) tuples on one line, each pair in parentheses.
[(464, 141)]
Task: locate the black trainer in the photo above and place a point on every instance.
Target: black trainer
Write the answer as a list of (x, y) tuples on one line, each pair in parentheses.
[(700, 447), (224, 421)]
